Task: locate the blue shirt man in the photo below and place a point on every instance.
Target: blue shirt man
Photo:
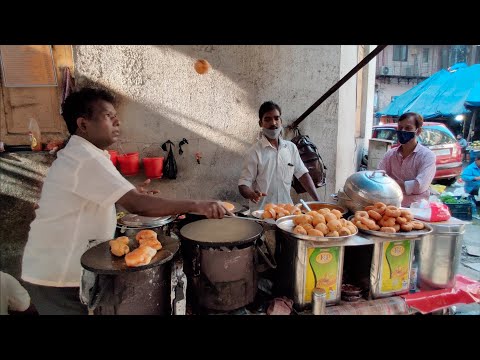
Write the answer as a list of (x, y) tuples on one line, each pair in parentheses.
[(471, 176)]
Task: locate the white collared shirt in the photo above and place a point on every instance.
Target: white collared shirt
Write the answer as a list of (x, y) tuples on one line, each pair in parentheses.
[(77, 204), (271, 171), (13, 295)]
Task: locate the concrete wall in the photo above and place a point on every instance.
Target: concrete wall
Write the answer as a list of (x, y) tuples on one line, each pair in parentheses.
[(386, 91), (164, 98), (369, 94), (346, 158), (365, 117)]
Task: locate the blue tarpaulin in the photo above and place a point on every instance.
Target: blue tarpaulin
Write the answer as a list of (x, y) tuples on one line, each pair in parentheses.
[(473, 98), (444, 94)]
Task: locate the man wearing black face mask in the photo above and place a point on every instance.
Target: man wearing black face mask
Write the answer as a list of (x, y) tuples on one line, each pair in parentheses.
[(411, 165), (271, 163)]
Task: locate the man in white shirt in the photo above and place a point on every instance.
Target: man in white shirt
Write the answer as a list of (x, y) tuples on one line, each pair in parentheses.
[(13, 296), (77, 204), (271, 163)]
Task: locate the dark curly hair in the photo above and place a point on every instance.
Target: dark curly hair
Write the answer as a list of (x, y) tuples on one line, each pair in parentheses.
[(268, 106), (80, 104)]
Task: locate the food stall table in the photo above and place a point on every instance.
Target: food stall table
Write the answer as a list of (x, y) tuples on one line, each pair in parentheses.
[(305, 263)]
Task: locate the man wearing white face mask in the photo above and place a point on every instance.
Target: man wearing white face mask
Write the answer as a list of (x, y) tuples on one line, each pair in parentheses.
[(271, 163), (411, 164)]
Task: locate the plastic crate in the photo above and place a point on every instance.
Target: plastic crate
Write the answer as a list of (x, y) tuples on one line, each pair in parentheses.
[(461, 211)]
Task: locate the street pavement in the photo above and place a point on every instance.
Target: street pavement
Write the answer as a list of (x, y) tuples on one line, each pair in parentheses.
[(471, 243)]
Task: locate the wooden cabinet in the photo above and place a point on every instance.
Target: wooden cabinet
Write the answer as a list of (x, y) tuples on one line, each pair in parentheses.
[(18, 104)]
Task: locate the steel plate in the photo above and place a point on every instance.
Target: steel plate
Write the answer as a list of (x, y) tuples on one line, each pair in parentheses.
[(398, 235)]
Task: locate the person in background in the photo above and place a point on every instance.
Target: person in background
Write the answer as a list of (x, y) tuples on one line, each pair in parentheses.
[(78, 200), (471, 176), (463, 144), (271, 163), (411, 164), (14, 298)]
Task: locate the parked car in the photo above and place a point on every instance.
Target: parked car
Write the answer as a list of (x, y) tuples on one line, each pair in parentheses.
[(438, 138)]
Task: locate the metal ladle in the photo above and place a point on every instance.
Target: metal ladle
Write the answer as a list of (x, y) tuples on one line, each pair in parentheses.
[(305, 206)]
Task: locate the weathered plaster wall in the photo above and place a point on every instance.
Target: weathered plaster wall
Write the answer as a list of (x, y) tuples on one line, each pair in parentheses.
[(346, 150), (387, 91), (369, 94), (164, 98)]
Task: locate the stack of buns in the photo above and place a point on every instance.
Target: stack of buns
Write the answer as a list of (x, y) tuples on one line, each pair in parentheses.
[(147, 249)]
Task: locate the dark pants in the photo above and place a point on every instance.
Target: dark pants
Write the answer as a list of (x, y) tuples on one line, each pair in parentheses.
[(474, 191), (51, 300)]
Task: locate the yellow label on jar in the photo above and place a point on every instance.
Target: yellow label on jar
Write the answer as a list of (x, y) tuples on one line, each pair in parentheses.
[(397, 250), (324, 258), (322, 271), (395, 274)]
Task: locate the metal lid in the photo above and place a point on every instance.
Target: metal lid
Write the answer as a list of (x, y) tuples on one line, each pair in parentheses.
[(133, 220), (319, 292), (221, 232), (100, 260), (368, 187)]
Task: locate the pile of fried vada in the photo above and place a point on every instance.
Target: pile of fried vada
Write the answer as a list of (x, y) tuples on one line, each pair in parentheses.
[(386, 218)]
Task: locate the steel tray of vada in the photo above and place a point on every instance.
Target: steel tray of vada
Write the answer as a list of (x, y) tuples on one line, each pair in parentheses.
[(317, 205), (286, 225), (398, 235)]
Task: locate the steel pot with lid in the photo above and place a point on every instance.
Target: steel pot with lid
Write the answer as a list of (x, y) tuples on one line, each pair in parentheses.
[(368, 187), (130, 224)]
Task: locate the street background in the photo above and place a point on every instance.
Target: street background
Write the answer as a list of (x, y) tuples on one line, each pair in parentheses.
[(470, 246)]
